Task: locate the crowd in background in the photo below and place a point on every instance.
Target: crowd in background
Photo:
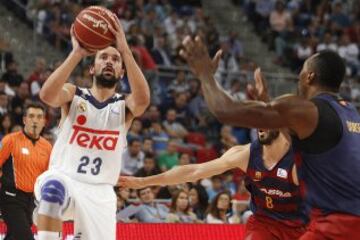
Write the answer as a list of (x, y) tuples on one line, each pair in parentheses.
[(176, 129), (296, 29)]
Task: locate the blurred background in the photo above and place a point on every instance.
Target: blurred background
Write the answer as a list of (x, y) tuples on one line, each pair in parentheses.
[(178, 128)]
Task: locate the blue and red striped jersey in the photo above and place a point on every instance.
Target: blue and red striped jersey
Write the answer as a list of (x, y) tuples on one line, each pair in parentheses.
[(273, 191)]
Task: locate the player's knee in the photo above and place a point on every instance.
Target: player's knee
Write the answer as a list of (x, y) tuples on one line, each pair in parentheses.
[(53, 198)]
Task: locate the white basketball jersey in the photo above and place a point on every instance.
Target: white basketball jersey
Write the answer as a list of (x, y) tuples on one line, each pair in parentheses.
[(91, 140)]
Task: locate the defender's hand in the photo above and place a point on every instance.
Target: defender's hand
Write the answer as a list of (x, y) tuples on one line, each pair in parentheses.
[(259, 91), (196, 55)]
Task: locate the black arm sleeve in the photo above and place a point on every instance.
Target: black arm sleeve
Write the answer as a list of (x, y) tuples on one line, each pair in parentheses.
[(327, 133)]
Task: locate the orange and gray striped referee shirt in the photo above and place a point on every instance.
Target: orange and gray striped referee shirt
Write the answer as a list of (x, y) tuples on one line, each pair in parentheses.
[(22, 160)]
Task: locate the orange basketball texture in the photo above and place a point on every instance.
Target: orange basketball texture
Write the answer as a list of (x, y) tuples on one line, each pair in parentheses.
[(91, 28)]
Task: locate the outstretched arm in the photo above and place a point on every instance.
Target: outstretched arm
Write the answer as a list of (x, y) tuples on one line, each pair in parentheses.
[(288, 111), (56, 92), (139, 99), (236, 157)]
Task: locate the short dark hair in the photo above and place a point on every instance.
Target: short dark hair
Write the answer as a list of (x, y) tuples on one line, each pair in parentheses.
[(36, 105), (133, 140), (138, 191), (329, 68), (149, 155)]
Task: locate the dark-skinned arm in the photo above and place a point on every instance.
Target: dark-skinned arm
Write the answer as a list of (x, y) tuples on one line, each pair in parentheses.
[(300, 116)]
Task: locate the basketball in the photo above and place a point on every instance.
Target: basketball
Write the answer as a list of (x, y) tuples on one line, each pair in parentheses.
[(91, 28)]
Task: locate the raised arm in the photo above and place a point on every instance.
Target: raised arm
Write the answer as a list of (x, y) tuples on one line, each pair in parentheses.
[(56, 92), (288, 111), (236, 157), (139, 99)]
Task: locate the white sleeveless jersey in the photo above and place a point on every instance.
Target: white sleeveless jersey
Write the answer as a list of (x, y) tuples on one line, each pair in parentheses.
[(91, 140)]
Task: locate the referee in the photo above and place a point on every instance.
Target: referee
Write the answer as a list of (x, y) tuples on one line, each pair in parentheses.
[(24, 155)]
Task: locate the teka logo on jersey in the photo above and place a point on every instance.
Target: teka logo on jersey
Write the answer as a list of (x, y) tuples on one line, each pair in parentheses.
[(94, 139)]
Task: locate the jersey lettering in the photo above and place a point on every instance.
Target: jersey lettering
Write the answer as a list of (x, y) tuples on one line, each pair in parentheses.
[(94, 139)]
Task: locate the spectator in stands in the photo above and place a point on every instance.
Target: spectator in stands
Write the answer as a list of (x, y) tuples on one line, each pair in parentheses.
[(202, 118), (36, 85), (150, 167), (350, 53), (181, 107), (132, 158), (261, 15), (151, 115), (303, 50), (159, 136), (172, 23), (148, 146), (17, 102), (120, 7), (339, 17), (147, 212), (228, 182), (127, 20), (236, 47), (122, 195), (167, 192), (227, 139), (170, 158), (237, 89), (160, 52), (199, 200), (135, 130), (160, 9), (179, 84), (184, 158), (180, 210), (40, 66), (242, 194), (241, 200), (219, 209), (216, 187), (4, 103), (327, 43), (12, 77), (174, 128), (5, 125), (281, 26), (146, 60), (228, 65), (354, 31), (280, 19), (148, 25)]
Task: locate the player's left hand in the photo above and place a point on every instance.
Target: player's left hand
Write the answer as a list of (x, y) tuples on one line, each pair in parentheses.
[(259, 90), (118, 32), (131, 182)]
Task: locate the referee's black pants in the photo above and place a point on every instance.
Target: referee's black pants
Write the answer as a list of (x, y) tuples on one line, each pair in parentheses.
[(16, 209)]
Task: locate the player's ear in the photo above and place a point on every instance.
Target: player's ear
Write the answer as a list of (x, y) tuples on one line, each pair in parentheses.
[(310, 78), (92, 70)]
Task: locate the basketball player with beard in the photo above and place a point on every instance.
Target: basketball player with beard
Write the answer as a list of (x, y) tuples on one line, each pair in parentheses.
[(86, 158), (271, 178)]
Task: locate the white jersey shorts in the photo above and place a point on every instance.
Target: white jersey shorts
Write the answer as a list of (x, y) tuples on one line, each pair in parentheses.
[(92, 207)]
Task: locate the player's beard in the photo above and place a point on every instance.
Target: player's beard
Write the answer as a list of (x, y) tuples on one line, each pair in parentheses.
[(272, 135), (105, 82)]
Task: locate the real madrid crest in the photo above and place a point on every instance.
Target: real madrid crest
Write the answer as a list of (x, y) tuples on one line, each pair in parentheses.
[(81, 107)]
